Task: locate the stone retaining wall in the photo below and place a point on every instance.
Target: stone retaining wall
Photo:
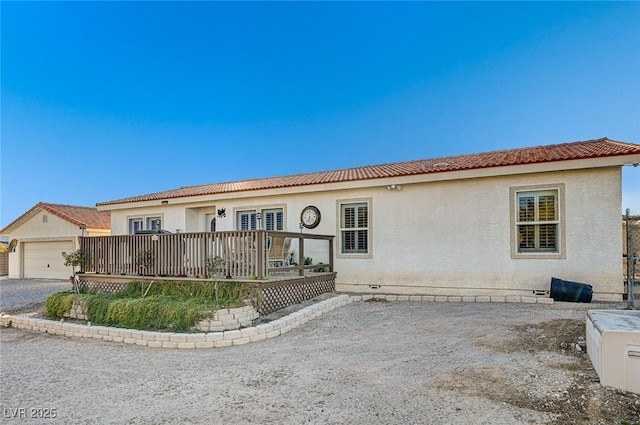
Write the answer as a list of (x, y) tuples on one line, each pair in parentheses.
[(78, 310), (229, 319), (216, 339), (464, 299)]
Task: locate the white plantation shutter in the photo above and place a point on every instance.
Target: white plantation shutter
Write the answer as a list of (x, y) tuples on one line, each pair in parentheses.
[(273, 219), (537, 221), (246, 220), (354, 228)]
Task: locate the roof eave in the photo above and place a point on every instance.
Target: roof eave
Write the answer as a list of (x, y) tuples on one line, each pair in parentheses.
[(444, 175)]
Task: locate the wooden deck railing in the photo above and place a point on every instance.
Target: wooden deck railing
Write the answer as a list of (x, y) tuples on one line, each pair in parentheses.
[(242, 254)]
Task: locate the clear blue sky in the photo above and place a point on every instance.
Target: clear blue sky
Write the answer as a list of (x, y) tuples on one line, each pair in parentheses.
[(105, 100)]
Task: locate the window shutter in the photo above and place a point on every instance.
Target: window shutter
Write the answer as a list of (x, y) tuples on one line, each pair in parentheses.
[(537, 224)]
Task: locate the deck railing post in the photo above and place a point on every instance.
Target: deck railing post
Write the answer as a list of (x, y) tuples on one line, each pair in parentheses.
[(330, 240), (83, 248), (259, 252), (301, 255)]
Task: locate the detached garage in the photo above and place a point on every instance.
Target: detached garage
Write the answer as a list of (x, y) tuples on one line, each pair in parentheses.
[(40, 236)]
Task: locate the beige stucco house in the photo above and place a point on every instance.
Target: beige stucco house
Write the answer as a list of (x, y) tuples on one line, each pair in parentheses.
[(39, 236), (496, 223)]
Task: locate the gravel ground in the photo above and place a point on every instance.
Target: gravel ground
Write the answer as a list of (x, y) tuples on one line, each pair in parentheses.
[(365, 363), (19, 293)]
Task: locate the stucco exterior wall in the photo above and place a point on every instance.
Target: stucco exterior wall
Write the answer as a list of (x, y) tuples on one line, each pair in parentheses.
[(454, 238), (450, 237)]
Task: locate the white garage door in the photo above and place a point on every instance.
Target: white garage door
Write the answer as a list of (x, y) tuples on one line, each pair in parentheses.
[(44, 260)]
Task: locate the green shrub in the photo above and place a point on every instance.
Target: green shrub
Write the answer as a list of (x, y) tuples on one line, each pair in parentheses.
[(98, 306), (176, 306), (229, 293), (59, 303), (155, 312)]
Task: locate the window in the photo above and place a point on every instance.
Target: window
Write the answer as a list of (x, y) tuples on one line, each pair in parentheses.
[(154, 223), (246, 220), (144, 223), (354, 228), (135, 224), (538, 221), (271, 219)]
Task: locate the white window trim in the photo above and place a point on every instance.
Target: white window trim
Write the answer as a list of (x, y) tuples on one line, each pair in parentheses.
[(144, 219), (338, 239), (275, 212), (260, 209), (150, 220), (130, 227), (561, 221), (249, 212)]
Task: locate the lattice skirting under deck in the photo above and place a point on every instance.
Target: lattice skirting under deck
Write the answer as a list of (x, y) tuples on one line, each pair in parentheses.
[(281, 294), (106, 285), (275, 294)]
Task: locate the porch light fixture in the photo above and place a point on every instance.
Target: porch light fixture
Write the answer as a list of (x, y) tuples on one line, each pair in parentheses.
[(259, 217), (394, 187)]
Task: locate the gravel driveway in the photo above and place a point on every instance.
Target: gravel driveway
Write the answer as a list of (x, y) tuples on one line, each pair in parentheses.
[(18, 293), (365, 363)]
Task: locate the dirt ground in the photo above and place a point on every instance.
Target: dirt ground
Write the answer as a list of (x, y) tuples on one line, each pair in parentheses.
[(373, 362)]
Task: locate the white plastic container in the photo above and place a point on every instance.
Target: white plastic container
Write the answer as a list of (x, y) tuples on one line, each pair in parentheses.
[(613, 344)]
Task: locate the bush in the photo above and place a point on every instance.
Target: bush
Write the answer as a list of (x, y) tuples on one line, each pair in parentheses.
[(166, 305), (59, 303), (149, 313), (229, 293)]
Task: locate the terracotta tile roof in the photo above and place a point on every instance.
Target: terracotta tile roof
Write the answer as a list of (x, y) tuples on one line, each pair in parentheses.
[(598, 148), (90, 217)]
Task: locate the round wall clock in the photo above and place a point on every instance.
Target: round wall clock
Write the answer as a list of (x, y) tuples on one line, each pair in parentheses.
[(310, 217)]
